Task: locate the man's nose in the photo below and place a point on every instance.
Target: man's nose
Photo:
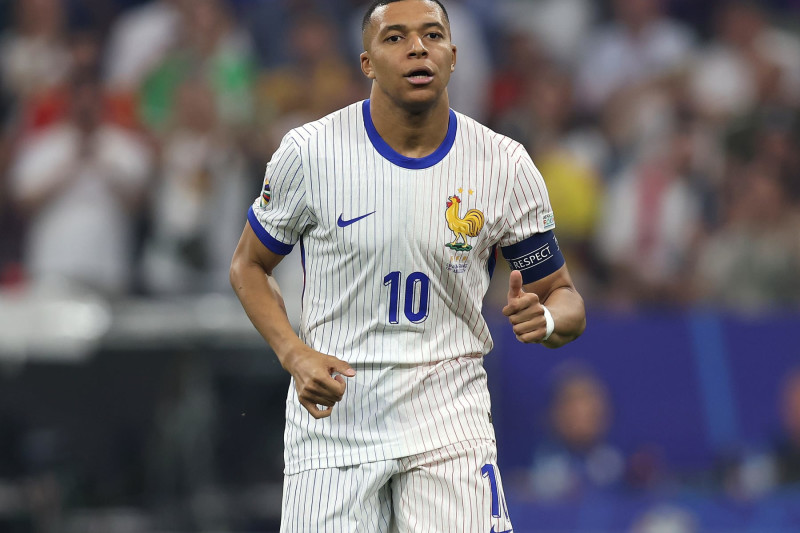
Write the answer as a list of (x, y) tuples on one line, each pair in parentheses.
[(416, 46)]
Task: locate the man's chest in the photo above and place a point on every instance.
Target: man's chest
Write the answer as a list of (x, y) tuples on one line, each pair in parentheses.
[(437, 214)]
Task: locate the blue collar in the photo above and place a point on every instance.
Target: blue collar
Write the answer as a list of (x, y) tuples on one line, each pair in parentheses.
[(410, 162)]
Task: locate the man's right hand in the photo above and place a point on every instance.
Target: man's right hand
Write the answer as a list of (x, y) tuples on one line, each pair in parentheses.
[(318, 380)]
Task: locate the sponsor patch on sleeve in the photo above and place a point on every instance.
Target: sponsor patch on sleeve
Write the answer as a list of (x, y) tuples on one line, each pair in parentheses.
[(548, 221), (266, 193)]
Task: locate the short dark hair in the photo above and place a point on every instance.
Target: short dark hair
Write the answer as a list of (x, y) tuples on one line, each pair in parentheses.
[(380, 3)]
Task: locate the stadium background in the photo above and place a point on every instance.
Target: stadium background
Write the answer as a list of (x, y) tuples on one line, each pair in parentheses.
[(141, 400)]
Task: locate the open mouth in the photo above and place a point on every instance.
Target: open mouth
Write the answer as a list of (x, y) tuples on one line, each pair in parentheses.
[(420, 76)]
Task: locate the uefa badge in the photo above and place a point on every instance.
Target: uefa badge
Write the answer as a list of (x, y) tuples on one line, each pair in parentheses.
[(548, 222), (266, 194)]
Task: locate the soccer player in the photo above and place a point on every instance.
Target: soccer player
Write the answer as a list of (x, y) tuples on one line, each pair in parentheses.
[(399, 204)]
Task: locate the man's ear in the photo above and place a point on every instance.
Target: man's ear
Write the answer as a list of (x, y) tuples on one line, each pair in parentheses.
[(455, 53), (366, 66)]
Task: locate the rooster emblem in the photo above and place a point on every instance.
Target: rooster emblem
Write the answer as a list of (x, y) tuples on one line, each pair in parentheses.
[(468, 226)]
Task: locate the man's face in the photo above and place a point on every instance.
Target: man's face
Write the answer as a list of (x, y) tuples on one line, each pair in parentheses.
[(409, 53)]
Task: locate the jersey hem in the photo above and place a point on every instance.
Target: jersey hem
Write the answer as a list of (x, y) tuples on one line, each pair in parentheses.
[(375, 454), (266, 239)]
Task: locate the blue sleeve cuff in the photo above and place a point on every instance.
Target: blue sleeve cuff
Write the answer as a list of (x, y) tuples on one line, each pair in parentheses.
[(266, 239), (536, 257)]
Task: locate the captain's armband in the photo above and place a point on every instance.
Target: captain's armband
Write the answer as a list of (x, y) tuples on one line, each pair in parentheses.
[(536, 257)]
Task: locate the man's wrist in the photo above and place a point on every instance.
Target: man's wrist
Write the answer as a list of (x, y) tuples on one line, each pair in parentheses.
[(551, 324), (289, 351)]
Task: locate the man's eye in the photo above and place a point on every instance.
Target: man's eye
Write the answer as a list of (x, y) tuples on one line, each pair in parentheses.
[(435, 35), (393, 38)]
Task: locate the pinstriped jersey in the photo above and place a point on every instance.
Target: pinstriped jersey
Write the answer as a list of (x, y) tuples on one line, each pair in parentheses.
[(397, 257)]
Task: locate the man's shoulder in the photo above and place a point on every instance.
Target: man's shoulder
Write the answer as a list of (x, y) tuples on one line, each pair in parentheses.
[(342, 121), (482, 135)]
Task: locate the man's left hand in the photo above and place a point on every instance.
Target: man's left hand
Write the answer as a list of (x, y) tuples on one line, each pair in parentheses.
[(524, 311)]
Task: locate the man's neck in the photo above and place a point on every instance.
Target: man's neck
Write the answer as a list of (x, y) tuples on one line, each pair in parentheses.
[(410, 133)]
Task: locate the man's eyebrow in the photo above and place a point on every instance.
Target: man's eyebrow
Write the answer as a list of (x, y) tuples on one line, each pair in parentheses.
[(403, 27)]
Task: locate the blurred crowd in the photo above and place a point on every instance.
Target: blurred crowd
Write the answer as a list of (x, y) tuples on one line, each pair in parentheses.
[(135, 134), (578, 458), (578, 463)]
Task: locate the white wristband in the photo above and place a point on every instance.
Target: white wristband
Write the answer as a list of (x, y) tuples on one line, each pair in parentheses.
[(551, 325)]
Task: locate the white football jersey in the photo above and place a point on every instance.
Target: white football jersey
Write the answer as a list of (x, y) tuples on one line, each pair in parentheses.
[(397, 256)]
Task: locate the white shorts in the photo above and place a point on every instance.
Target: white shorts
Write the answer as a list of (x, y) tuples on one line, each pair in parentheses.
[(455, 489)]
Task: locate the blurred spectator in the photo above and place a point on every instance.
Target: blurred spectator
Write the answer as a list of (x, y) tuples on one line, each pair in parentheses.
[(787, 450), (568, 156), (747, 62), (213, 47), (29, 115), (577, 459), (640, 46), (519, 60), (319, 80), (770, 135), (78, 182), (139, 40), (48, 103), (748, 474), (35, 60), (33, 54), (9, 222), (271, 24), (666, 519), (559, 26), (469, 84), (752, 262), (651, 219), (199, 202), (534, 100), (751, 474), (630, 79)]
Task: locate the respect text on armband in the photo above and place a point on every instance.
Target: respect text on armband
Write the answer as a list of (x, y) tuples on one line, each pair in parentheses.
[(532, 259)]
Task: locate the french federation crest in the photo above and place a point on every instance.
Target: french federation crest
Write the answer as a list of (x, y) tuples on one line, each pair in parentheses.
[(470, 225), (266, 193)]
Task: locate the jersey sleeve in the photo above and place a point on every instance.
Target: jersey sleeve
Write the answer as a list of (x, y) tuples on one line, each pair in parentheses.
[(528, 211), (529, 244), (280, 215)]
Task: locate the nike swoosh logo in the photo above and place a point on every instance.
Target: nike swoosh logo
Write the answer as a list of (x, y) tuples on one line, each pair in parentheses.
[(344, 223)]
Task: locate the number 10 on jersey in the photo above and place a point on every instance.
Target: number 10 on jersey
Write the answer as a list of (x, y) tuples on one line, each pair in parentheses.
[(415, 296)]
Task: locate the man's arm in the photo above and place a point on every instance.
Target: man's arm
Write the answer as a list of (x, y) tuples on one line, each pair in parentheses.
[(251, 278), (558, 293)]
